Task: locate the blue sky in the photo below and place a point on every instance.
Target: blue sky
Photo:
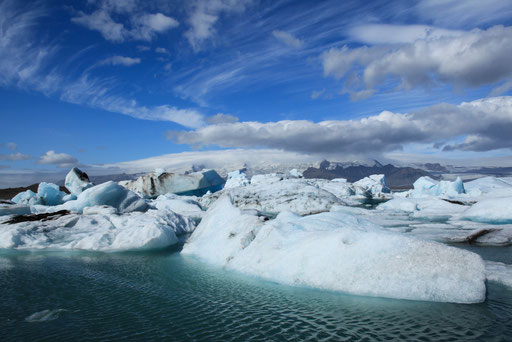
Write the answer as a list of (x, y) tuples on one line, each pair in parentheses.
[(105, 81)]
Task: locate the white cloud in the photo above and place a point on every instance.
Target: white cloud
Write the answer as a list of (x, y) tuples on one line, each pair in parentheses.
[(486, 122), (472, 59), (456, 13), (203, 16), (220, 118), (161, 50), (120, 60), (14, 156), (59, 159), (102, 22), (398, 34), (288, 39), (315, 94), (12, 146), (143, 26)]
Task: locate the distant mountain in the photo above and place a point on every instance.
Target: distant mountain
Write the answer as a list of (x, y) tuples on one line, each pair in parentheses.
[(396, 177)]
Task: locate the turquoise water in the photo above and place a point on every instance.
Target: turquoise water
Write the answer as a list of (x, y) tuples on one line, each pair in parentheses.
[(162, 295)]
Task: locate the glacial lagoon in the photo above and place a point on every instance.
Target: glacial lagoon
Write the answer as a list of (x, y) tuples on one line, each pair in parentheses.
[(163, 295)]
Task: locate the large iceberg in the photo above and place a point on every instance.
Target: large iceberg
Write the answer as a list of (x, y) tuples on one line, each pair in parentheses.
[(77, 181), (336, 251), (494, 210), (108, 193), (95, 231), (375, 185), (235, 179), (161, 183)]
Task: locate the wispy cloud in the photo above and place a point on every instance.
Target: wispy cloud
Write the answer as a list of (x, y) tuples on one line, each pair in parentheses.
[(136, 24), (203, 16), (15, 156), (288, 39), (120, 60), (28, 63), (486, 123)]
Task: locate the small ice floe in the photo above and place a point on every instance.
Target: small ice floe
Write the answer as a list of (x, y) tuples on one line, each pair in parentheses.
[(45, 315)]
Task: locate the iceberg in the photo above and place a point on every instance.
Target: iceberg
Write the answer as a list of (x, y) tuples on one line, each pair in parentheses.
[(47, 194), (161, 183), (493, 210), (499, 273), (428, 186), (77, 181), (108, 193), (97, 232), (336, 251), (375, 185)]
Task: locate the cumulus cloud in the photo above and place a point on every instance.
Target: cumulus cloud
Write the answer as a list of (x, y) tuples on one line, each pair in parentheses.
[(474, 58), (204, 14), (288, 39), (120, 60), (220, 118), (14, 156), (487, 123), (59, 159)]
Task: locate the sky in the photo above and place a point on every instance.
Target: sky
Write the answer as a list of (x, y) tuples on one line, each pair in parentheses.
[(90, 83)]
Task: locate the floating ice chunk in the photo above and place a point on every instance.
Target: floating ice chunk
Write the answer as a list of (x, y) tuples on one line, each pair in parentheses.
[(77, 181), (495, 211), (108, 193), (14, 209), (50, 194), (274, 194), (375, 185), (488, 186), (155, 184), (236, 178), (337, 251), (428, 186), (97, 232), (27, 197), (45, 315), (498, 272)]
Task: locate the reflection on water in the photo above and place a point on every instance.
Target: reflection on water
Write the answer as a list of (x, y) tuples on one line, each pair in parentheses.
[(165, 296)]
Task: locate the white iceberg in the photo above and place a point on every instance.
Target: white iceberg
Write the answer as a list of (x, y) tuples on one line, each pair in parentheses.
[(493, 210), (184, 205), (428, 186), (337, 251), (375, 185), (97, 232), (498, 272), (77, 181), (47, 194), (108, 193), (161, 183)]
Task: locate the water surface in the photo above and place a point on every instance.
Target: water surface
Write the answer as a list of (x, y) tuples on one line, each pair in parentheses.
[(162, 295)]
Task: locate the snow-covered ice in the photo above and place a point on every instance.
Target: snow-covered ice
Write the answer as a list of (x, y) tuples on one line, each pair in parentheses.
[(236, 178), (428, 186), (98, 230), (375, 185), (336, 251)]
